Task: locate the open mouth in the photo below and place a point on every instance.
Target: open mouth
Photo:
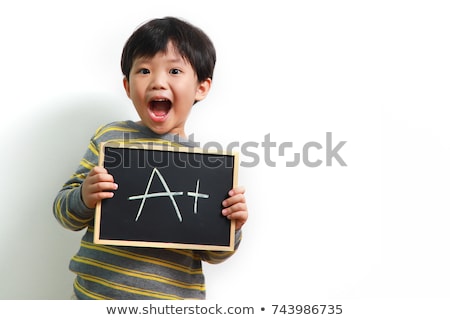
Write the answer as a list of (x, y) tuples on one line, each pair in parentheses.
[(159, 109)]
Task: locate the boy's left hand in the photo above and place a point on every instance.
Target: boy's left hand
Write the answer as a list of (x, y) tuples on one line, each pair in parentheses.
[(235, 207)]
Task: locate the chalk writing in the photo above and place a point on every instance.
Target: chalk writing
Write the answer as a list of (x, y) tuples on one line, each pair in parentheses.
[(168, 193), (197, 195)]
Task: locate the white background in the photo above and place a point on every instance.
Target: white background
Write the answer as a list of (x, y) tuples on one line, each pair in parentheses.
[(375, 73)]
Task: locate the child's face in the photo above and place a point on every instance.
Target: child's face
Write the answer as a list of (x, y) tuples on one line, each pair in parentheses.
[(163, 90)]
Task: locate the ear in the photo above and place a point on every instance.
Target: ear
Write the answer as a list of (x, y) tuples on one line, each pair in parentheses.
[(126, 85), (203, 89)]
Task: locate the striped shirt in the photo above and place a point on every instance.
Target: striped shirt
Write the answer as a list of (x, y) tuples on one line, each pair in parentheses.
[(120, 272)]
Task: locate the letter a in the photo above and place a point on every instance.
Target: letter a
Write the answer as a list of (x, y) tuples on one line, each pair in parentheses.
[(168, 193)]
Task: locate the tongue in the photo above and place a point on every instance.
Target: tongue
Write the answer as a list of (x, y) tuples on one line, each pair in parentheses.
[(160, 109)]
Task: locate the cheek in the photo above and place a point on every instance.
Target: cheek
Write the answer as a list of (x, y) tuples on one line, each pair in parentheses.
[(183, 97), (137, 93)]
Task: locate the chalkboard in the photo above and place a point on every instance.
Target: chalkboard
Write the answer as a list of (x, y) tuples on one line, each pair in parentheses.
[(168, 197)]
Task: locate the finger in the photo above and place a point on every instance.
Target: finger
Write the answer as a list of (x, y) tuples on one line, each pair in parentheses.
[(102, 195), (102, 186), (97, 170), (94, 198), (91, 199), (240, 218), (237, 207), (101, 177), (238, 215), (104, 177), (236, 190), (234, 199)]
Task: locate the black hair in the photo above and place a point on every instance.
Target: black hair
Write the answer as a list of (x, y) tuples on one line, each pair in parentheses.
[(152, 37)]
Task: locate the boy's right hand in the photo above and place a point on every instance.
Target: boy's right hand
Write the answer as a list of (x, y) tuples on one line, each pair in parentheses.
[(97, 186)]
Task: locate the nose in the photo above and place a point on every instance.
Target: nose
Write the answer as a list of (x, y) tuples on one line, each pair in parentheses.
[(158, 81)]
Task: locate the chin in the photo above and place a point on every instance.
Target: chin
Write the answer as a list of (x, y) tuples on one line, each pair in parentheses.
[(160, 131), (164, 128)]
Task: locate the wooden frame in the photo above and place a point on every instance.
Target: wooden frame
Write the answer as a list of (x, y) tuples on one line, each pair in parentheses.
[(168, 197)]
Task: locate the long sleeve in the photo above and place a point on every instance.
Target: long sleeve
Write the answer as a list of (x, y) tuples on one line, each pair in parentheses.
[(215, 257), (68, 206)]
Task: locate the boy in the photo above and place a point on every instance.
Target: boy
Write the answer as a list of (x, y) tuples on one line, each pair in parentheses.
[(167, 66)]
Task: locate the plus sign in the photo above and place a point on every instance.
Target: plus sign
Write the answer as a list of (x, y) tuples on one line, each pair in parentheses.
[(197, 195)]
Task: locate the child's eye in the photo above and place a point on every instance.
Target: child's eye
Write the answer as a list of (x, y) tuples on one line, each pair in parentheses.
[(175, 71), (144, 71)]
